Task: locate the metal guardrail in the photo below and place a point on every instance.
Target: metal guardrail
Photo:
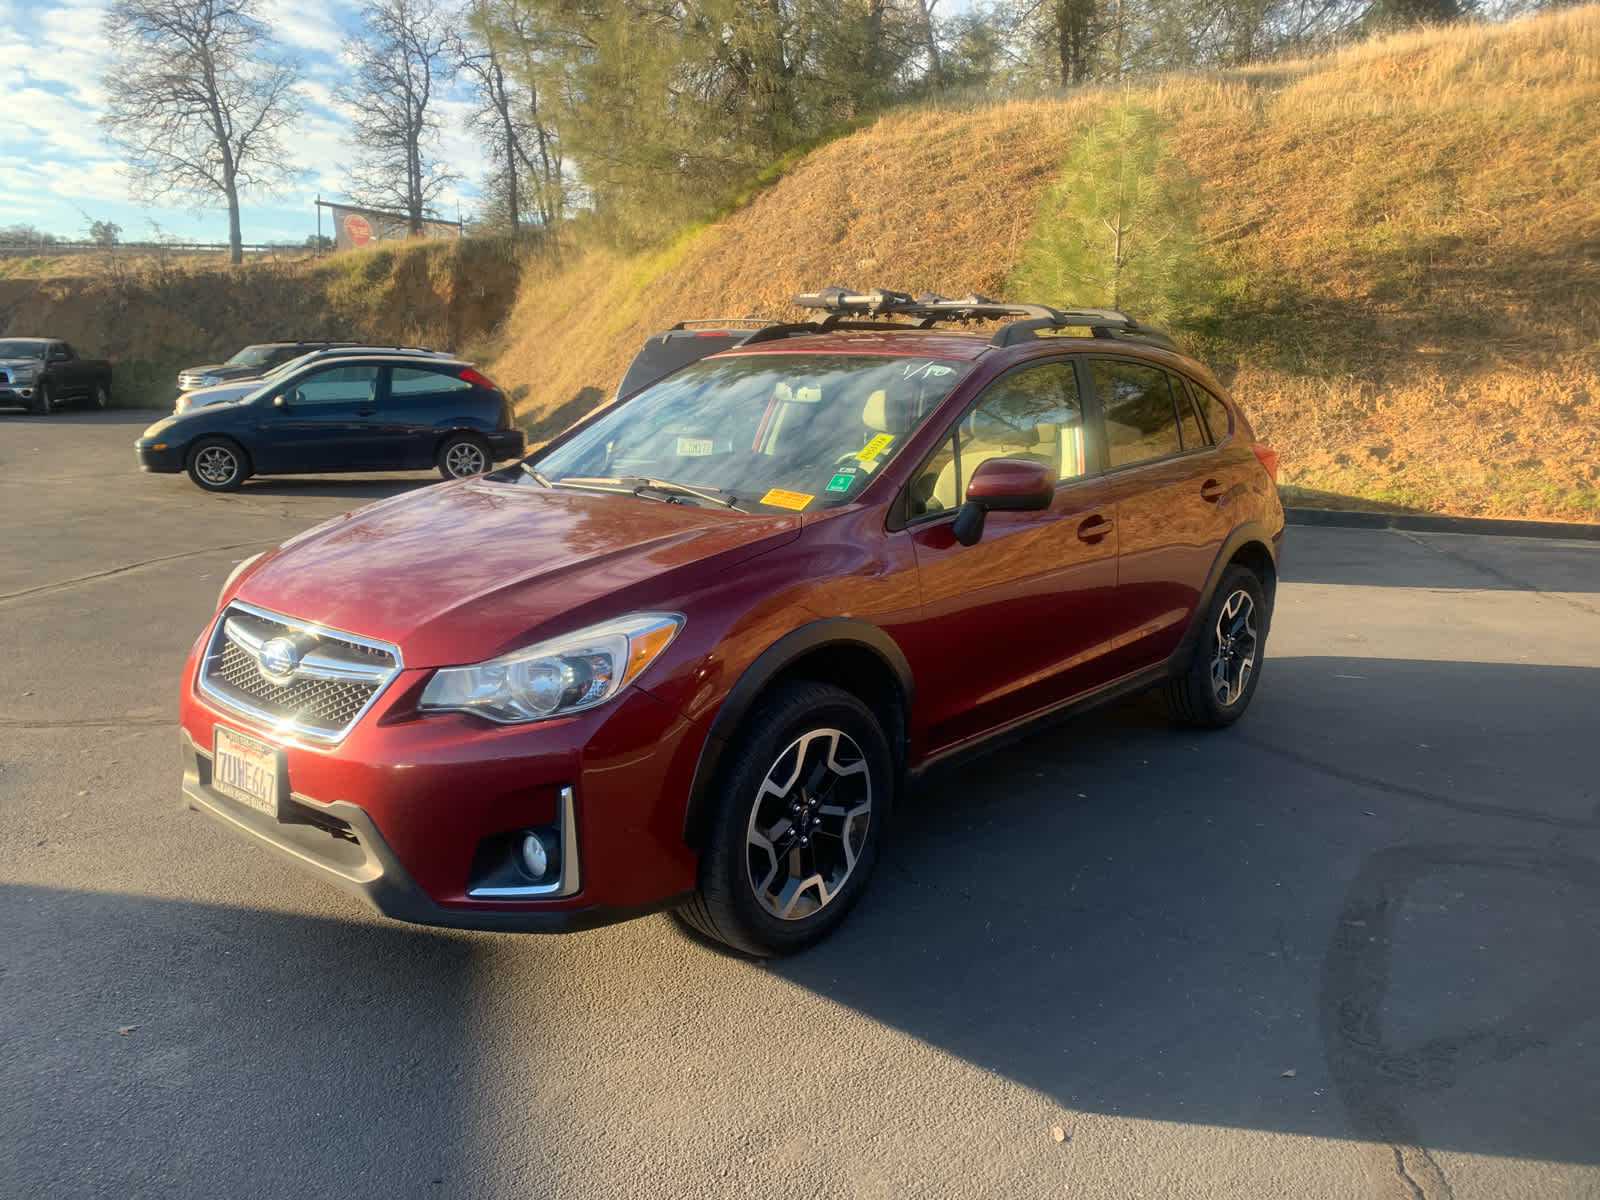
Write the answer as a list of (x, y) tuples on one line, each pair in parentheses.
[(12, 249)]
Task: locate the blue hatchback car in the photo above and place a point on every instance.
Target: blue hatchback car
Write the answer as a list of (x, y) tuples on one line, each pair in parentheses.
[(373, 412)]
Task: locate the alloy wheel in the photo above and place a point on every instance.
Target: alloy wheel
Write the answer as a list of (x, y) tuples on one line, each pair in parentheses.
[(465, 459), (216, 465), (1234, 657), (808, 824)]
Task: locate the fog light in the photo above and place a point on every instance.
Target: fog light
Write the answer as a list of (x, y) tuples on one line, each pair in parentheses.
[(535, 855)]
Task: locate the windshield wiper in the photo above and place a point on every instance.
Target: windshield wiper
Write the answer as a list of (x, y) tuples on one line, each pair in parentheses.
[(634, 485), (532, 473)]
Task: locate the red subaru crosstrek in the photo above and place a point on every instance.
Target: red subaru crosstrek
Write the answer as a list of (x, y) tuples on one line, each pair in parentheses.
[(691, 652)]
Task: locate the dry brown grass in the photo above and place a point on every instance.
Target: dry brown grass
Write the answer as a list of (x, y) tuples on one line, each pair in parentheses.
[(1409, 229)]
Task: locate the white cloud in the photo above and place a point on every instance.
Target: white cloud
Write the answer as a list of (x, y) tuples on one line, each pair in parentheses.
[(58, 163)]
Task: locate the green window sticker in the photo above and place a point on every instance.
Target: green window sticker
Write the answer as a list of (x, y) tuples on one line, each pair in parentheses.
[(840, 483)]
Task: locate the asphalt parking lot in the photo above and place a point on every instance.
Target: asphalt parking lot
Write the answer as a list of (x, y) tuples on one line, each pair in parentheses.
[(1350, 947)]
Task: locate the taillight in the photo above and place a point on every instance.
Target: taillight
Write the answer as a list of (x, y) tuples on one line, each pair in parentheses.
[(1268, 457), (476, 378)]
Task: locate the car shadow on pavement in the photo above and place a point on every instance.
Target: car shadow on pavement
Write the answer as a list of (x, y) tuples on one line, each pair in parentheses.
[(1384, 928), (336, 487), (1443, 561), (157, 1047)]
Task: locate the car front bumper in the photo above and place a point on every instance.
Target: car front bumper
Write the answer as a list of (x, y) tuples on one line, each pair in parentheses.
[(157, 456), (401, 811)]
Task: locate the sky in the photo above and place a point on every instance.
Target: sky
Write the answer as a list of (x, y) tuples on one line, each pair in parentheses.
[(60, 174)]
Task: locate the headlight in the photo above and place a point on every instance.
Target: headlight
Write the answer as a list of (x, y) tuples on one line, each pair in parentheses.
[(25, 374), (209, 381), (234, 574), (564, 675)]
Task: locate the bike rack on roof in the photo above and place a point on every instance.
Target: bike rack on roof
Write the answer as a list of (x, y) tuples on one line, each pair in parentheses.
[(929, 309)]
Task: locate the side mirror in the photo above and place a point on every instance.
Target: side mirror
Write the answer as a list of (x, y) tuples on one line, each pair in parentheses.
[(1003, 485), (281, 400)]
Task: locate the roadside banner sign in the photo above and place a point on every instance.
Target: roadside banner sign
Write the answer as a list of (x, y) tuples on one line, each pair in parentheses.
[(353, 226)]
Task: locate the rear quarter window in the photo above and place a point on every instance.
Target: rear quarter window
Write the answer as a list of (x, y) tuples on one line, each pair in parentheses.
[(1214, 411), (412, 381)]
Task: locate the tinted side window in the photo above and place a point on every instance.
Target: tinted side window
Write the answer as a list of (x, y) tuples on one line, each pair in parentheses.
[(337, 385), (410, 381), (1215, 411), (1136, 401), (1032, 413)]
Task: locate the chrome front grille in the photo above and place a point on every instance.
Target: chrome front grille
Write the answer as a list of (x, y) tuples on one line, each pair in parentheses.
[(188, 381), (294, 677)]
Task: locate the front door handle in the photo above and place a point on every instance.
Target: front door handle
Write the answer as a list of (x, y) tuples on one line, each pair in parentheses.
[(365, 412), (1211, 491), (1092, 529)]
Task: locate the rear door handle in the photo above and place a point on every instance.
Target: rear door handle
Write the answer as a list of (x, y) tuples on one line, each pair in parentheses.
[(1092, 529), (1211, 491)]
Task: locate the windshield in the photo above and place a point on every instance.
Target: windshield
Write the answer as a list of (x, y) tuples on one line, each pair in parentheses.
[(22, 349), (251, 356), (789, 432)]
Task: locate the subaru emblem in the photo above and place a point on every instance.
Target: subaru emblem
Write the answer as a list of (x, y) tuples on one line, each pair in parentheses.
[(278, 658)]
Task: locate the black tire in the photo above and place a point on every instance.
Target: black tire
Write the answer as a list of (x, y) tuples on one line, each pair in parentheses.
[(804, 744), (463, 455), (101, 396), (218, 464), (44, 400), (1215, 688)]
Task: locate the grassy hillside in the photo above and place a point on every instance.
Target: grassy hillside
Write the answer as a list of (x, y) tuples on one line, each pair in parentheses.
[(1401, 245), (1404, 239)]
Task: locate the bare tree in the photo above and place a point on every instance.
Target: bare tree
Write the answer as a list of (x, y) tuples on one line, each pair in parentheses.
[(197, 98), (403, 54), (501, 54)]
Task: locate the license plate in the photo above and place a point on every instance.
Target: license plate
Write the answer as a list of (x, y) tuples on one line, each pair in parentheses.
[(245, 769)]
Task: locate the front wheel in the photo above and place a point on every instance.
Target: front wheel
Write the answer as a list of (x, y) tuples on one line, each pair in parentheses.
[(44, 400), (218, 465), (800, 815), (462, 456), (1215, 688)]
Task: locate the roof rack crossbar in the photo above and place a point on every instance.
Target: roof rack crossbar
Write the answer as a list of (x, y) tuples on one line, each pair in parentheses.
[(1027, 319)]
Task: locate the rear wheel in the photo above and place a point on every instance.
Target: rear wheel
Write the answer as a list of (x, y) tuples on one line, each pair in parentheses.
[(218, 465), (1216, 687), (102, 396), (800, 815), (463, 455)]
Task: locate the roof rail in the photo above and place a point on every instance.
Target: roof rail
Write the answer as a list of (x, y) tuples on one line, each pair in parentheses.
[(929, 308), (724, 322)]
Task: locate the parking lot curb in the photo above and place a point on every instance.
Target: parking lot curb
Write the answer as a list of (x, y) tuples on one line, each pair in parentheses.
[(1427, 523)]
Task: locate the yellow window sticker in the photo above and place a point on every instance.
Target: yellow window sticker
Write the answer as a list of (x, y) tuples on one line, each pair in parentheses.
[(779, 498), (875, 447)]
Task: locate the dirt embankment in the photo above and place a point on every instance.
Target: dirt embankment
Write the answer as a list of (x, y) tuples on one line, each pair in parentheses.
[(151, 316)]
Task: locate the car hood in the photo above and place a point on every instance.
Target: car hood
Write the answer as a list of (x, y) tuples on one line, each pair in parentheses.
[(461, 572), (223, 371), (10, 364), (218, 393)]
